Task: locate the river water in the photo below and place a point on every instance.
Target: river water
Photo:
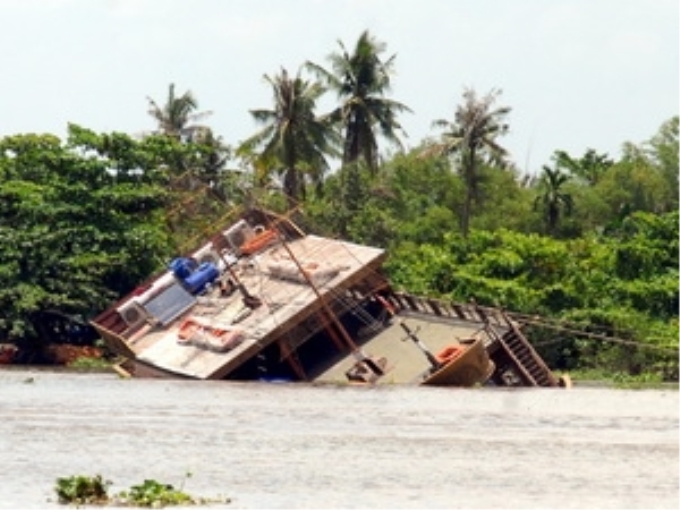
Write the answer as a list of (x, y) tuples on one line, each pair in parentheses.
[(276, 445)]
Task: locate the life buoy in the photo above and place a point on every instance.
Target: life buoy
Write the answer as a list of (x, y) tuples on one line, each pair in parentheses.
[(449, 353)]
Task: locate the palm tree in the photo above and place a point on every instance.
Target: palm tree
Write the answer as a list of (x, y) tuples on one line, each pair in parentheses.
[(200, 166), (361, 80), (552, 200), (293, 140), (471, 139), (177, 116), (590, 168)]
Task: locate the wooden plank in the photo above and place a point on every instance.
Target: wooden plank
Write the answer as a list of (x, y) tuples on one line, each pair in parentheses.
[(115, 342)]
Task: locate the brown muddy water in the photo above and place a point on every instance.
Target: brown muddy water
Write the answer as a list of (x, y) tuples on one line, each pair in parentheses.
[(278, 445)]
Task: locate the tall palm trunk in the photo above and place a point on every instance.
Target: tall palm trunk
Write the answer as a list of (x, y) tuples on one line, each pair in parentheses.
[(470, 173), (291, 187)]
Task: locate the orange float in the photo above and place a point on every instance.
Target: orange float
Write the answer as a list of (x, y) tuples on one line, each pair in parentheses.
[(259, 242), (192, 332), (449, 353)]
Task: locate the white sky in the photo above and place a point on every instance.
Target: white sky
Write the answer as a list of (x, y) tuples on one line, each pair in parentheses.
[(577, 74)]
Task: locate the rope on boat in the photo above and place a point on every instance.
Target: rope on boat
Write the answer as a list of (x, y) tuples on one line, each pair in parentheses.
[(532, 320)]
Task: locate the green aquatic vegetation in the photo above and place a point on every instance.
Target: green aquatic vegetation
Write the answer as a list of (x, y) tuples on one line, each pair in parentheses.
[(93, 490), (154, 494), (82, 490)]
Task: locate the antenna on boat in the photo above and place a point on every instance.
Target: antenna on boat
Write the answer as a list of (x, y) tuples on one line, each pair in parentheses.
[(410, 333)]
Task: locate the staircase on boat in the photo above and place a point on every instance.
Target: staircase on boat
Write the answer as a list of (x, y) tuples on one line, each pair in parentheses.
[(517, 363)]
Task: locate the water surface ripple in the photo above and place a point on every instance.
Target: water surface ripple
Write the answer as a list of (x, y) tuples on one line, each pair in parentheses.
[(273, 446)]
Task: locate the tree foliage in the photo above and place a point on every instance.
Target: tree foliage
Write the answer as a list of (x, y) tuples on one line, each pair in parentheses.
[(553, 201), (362, 79), (81, 222), (471, 140), (293, 140), (177, 117)]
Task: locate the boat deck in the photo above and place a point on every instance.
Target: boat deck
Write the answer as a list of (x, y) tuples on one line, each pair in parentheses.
[(286, 300), (406, 363)]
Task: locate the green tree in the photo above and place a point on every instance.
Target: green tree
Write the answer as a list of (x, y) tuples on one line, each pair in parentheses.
[(552, 200), (80, 224), (177, 117), (293, 141), (590, 167), (635, 184), (361, 80), (204, 163), (646, 178), (503, 202), (412, 198), (471, 140), (622, 288), (662, 150)]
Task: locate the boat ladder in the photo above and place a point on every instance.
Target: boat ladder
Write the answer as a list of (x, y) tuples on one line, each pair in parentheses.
[(527, 361)]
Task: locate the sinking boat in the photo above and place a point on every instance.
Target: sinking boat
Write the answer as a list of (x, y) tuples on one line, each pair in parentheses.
[(262, 300)]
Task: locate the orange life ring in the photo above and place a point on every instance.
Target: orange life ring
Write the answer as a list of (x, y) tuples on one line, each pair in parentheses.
[(449, 353)]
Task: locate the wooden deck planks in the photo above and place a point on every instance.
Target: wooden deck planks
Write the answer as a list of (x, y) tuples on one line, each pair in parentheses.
[(284, 305)]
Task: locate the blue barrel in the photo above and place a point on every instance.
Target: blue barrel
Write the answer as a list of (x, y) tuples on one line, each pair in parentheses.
[(205, 274), (182, 267)]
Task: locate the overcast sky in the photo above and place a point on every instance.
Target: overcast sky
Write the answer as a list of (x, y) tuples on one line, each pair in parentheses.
[(577, 74)]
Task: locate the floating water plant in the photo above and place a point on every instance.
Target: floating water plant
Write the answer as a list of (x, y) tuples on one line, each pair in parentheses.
[(81, 490), (93, 490), (155, 494)]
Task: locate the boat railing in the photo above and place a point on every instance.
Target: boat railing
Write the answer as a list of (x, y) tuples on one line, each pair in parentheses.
[(468, 312)]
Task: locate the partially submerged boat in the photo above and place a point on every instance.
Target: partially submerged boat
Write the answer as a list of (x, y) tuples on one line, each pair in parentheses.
[(262, 300)]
